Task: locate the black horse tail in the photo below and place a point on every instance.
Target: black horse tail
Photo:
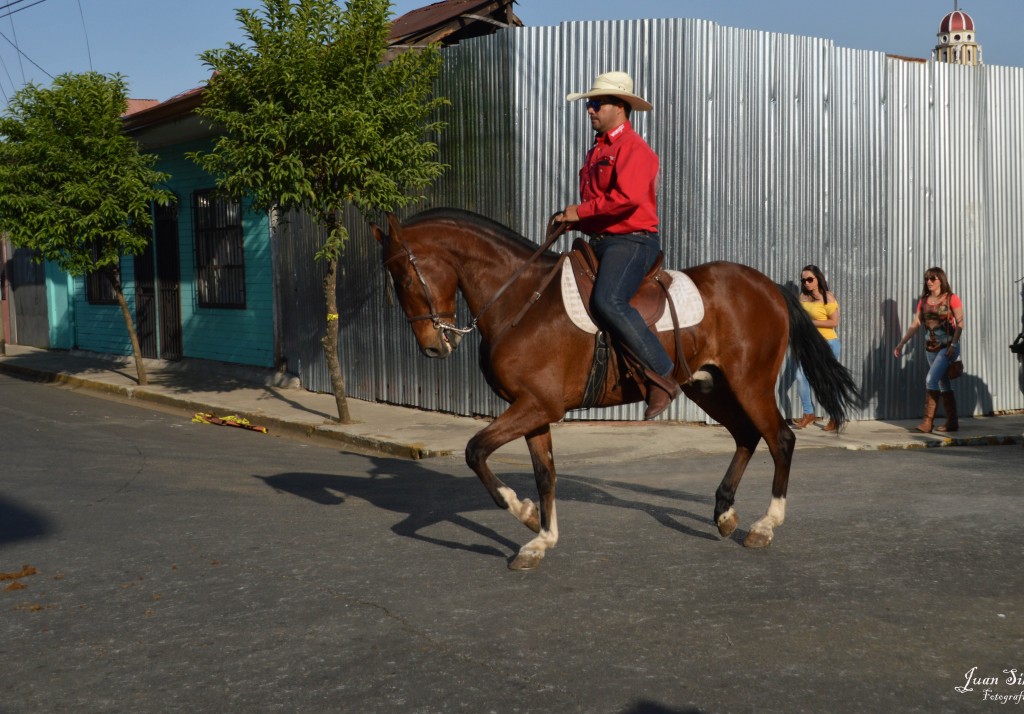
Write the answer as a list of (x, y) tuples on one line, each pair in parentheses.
[(831, 382)]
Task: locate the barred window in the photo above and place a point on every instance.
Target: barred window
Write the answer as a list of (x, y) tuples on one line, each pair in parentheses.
[(220, 258), (98, 289)]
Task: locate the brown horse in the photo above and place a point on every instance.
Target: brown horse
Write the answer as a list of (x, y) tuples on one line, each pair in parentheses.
[(539, 362)]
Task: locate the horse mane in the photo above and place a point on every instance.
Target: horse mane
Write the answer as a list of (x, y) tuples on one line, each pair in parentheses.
[(485, 224)]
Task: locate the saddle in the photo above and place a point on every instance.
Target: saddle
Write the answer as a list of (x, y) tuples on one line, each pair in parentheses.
[(650, 298)]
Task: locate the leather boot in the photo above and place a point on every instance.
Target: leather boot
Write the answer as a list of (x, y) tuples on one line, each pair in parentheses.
[(661, 392), (931, 403), (949, 406), (831, 426), (805, 421)]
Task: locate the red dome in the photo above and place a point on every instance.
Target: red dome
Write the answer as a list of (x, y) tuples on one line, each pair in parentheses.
[(957, 21)]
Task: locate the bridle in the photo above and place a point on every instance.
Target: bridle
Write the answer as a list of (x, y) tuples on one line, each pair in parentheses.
[(554, 230), (434, 316)]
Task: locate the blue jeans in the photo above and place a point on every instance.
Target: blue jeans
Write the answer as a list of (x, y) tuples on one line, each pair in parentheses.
[(625, 261), (937, 364), (801, 380)]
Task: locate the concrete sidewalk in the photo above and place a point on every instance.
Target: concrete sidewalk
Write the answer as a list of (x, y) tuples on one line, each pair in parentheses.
[(276, 401)]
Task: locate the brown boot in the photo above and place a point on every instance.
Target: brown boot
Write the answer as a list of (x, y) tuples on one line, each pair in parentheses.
[(805, 421), (661, 392), (949, 406), (931, 403), (831, 426)]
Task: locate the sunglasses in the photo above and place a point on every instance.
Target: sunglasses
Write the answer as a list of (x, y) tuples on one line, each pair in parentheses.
[(598, 102), (931, 277), (810, 279)]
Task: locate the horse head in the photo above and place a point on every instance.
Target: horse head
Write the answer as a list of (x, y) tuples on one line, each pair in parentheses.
[(426, 287)]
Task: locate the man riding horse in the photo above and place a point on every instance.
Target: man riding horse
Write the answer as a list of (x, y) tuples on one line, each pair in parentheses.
[(618, 210)]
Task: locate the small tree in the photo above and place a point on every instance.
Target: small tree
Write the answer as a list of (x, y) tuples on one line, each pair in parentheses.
[(3, 318), (73, 187), (314, 121)]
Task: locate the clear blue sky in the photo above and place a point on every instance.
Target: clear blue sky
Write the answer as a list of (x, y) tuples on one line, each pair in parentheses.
[(155, 43)]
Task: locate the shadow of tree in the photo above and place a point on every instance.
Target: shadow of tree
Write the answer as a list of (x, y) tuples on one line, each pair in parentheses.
[(426, 498), (184, 376)]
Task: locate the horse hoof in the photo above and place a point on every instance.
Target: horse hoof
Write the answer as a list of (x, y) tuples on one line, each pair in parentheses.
[(758, 539), (531, 517), (727, 523), (526, 561)]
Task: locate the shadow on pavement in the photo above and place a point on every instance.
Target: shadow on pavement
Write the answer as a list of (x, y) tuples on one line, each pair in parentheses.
[(19, 523), (427, 498), (646, 707)]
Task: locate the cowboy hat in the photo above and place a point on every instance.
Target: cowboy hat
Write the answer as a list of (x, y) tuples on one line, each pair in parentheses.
[(614, 84)]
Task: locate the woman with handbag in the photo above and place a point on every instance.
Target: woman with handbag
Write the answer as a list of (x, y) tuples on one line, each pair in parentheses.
[(942, 314)]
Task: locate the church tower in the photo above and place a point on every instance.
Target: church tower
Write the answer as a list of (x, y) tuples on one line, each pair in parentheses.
[(958, 43)]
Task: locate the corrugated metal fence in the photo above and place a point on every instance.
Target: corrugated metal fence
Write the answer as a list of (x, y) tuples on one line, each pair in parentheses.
[(776, 151)]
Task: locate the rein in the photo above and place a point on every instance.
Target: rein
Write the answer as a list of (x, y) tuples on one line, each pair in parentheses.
[(553, 231)]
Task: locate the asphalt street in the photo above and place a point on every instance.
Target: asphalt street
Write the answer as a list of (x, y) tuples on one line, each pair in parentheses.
[(151, 564)]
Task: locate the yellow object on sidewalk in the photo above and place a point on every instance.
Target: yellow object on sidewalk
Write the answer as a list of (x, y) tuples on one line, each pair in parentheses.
[(206, 418)]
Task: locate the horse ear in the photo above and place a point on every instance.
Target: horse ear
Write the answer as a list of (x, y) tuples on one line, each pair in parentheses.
[(378, 233), (393, 224)]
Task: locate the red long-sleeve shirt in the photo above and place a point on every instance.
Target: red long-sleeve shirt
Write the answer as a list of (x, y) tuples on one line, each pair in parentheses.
[(617, 184)]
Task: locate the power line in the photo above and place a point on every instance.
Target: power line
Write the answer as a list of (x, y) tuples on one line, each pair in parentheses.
[(7, 100), (85, 32), (15, 46), (37, 2), (11, 4), (21, 64)]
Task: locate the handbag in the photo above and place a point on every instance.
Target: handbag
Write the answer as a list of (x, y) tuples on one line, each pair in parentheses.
[(955, 369)]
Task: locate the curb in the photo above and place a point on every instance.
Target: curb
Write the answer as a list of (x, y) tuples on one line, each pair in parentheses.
[(328, 431), (335, 433), (955, 441)]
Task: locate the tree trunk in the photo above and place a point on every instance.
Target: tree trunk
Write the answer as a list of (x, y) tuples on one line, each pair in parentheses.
[(330, 341), (3, 324), (114, 275)]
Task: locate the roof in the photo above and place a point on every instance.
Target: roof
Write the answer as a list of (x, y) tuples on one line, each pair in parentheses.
[(177, 106), (450, 21), (446, 22), (956, 21), (137, 105)]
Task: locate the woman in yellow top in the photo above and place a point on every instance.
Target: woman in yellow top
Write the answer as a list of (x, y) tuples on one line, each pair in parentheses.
[(823, 309)]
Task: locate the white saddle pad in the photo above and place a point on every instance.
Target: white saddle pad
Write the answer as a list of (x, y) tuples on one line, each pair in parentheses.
[(684, 294)]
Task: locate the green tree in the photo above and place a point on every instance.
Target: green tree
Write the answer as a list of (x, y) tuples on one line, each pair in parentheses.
[(73, 187), (314, 120)]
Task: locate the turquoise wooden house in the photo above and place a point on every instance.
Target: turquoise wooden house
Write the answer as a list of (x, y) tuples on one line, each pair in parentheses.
[(204, 288), (219, 281)]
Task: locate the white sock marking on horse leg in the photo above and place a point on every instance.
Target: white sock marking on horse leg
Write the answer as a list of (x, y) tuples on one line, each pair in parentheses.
[(731, 513), (512, 501), (545, 540), (775, 516), (520, 509)]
